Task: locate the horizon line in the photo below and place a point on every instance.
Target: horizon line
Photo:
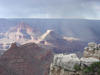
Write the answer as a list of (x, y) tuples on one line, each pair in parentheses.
[(53, 18)]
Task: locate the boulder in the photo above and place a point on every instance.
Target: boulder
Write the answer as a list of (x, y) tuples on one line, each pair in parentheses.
[(88, 61), (66, 61)]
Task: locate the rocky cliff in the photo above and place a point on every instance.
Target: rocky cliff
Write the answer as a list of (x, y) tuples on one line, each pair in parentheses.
[(93, 50), (27, 59), (65, 64)]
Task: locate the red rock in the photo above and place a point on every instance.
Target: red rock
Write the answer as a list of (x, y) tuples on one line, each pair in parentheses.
[(28, 59)]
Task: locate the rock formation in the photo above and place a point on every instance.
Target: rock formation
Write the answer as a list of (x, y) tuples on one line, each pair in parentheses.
[(93, 50), (64, 64), (27, 59)]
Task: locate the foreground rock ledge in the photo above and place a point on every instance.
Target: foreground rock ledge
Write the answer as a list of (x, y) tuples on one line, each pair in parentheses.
[(64, 64)]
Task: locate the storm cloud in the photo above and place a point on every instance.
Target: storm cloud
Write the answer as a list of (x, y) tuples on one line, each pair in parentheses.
[(83, 9)]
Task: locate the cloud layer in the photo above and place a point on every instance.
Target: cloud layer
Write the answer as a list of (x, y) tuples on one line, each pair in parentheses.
[(83, 9)]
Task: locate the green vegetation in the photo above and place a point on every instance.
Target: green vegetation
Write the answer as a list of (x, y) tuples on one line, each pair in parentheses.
[(93, 69), (77, 67)]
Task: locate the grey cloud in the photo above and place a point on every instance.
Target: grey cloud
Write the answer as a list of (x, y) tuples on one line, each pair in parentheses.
[(50, 8)]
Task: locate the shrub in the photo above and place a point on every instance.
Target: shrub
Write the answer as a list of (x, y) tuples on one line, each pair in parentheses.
[(93, 69), (77, 67)]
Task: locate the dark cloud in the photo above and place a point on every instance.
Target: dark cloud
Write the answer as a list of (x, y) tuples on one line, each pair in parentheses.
[(50, 8)]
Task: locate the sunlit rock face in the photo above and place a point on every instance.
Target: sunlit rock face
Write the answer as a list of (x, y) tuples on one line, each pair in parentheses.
[(50, 36), (59, 44), (22, 33)]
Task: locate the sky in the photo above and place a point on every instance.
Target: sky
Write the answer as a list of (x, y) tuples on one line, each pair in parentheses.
[(80, 9)]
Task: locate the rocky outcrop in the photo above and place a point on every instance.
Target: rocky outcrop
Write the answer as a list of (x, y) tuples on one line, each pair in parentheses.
[(93, 50), (27, 59), (66, 61), (64, 64)]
